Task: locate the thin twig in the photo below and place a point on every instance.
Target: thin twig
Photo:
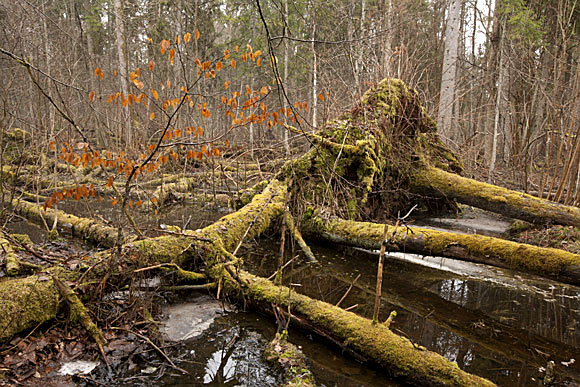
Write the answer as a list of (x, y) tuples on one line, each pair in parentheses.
[(154, 346), (348, 290)]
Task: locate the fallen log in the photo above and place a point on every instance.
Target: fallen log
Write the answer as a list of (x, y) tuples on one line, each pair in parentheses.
[(553, 263), (89, 229), (393, 353), (503, 339), (434, 181)]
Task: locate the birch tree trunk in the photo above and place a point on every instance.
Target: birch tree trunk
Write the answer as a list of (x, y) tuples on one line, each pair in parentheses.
[(387, 30), (314, 66), (448, 79), (497, 111), (120, 32), (286, 53)]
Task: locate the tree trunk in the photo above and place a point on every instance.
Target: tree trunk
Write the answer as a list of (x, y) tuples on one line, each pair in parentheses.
[(124, 132), (554, 263), (314, 67), (497, 111), (448, 77), (493, 198)]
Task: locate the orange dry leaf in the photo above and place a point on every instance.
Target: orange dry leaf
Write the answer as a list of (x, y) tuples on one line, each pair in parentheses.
[(164, 46)]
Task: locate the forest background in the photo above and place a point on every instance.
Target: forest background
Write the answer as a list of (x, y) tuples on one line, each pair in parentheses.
[(502, 78)]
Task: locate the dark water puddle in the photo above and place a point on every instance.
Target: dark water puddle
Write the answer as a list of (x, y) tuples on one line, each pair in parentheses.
[(503, 330), (230, 352)]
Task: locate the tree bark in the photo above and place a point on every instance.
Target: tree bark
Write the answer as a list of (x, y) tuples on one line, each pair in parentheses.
[(554, 263), (493, 198), (120, 41), (448, 76)]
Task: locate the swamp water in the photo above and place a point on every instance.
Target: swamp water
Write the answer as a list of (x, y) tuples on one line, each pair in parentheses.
[(492, 322)]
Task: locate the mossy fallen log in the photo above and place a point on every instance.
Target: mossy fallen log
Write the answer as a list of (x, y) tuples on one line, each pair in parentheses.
[(434, 181), (87, 228), (37, 295), (548, 262), (511, 342), (395, 354), (26, 303)]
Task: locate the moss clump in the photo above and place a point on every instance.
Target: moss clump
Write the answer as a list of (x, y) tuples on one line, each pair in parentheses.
[(362, 161), (26, 302), (290, 360)]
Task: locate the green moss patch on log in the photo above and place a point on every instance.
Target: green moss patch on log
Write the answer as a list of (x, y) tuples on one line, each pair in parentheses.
[(287, 357), (515, 204), (25, 303), (263, 208), (374, 341), (554, 263), (89, 229)]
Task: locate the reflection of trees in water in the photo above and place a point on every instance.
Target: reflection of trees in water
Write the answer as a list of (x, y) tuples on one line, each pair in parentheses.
[(553, 313), (237, 360)]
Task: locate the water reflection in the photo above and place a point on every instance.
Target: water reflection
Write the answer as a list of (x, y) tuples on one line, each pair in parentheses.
[(504, 327)]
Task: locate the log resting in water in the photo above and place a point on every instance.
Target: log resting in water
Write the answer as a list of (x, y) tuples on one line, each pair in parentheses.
[(434, 181), (548, 262)]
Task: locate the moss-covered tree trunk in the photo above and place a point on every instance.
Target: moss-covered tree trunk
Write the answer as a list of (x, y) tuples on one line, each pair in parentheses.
[(553, 263), (434, 181)]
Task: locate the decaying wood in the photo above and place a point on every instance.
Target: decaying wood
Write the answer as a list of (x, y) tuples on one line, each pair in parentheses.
[(548, 262)]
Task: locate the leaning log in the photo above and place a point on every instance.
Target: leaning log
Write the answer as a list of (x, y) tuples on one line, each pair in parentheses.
[(434, 181), (553, 263)]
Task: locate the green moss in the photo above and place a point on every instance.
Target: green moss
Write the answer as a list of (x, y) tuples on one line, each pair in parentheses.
[(361, 162), (22, 238), (26, 302), (374, 341), (501, 200), (478, 248), (287, 357)]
